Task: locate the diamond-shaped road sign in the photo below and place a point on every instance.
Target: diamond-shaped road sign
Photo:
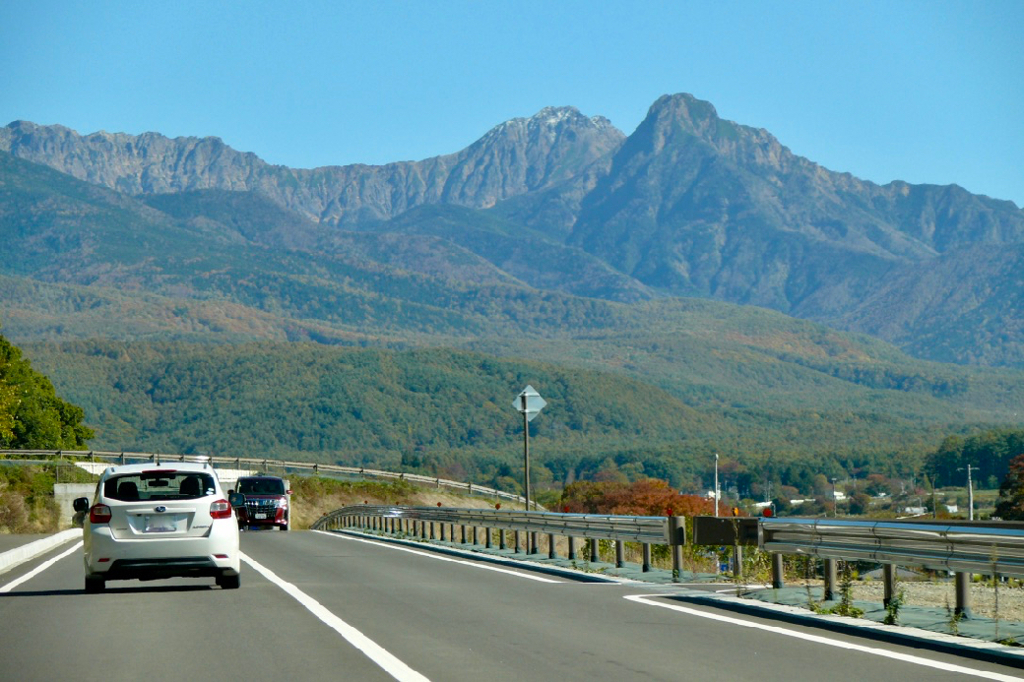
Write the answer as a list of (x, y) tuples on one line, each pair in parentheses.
[(529, 403)]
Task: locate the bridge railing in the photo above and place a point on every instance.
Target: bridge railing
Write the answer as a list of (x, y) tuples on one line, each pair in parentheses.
[(38, 456), (428, 523)]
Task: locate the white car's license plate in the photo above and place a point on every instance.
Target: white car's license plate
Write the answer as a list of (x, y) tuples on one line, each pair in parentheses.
[(260, 516), (162, 523)]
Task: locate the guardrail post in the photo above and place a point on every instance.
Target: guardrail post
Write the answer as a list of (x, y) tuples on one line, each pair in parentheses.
[(431, 530), (963, 594), (444, 527), (777, 571), (474, 536), (463, 534), (646, 565), (501, 538), (889, 578), (572, 547), (595, 550), (487, 541), (551, 546), (533, 542), (677, 538), (620, 554), (515, 541), (829, 570)]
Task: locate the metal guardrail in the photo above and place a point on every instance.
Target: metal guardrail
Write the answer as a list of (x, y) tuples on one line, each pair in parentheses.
[(35, 456), (649, 529), (993, 548), (989, 549), (415, 521), (961, 548)]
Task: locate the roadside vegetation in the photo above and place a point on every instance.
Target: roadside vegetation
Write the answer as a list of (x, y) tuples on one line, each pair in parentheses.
[(26, 497)]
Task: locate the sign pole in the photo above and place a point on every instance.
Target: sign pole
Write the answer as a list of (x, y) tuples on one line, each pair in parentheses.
[(529, 403), (526, 453)]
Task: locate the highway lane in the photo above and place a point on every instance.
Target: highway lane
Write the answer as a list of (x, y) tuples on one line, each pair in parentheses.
[(441, 619), (163, 630)]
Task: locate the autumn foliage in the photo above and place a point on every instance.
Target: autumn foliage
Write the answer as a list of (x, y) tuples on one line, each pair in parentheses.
[(645, 497)]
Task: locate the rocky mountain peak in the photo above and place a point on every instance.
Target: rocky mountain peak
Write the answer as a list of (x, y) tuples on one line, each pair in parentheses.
[(696, 115), (551, 121)]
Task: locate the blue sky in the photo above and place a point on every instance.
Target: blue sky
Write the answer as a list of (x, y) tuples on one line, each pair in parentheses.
[(923, 91)]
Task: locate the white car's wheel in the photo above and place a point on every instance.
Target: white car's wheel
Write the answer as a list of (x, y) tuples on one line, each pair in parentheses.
[(230, 582)]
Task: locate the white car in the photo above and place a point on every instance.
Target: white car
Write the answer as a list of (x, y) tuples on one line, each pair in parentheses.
[(152, 521)]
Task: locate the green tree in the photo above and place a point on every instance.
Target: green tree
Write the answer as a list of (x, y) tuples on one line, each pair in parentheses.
[(31, 414), (1011, 493)]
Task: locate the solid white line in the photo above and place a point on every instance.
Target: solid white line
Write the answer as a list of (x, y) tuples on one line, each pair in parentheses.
[(38, 569), (31, 550), (916, 660), (376, 653), (438, 557)]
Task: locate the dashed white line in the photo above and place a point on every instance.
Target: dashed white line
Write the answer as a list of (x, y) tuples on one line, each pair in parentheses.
[(376, 653), (818, 639)]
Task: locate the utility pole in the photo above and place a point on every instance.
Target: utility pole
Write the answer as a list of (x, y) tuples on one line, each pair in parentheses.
[(970, 492), (970, 495), (716, 484)]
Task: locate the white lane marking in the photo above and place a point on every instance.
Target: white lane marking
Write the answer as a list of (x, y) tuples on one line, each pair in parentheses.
[(38, 569), (385, 659), (917, 660), (431, 555)]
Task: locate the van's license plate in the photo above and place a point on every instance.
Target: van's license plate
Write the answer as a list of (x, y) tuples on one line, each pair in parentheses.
[(260, 516)]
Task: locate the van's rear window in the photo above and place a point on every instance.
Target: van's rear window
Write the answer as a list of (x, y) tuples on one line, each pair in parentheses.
[(148, 485), (261, 486)]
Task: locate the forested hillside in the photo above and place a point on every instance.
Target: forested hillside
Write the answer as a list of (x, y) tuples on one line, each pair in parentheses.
[(677, 401)]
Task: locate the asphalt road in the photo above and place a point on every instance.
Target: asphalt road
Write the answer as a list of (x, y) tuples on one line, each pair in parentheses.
[(315, 606)]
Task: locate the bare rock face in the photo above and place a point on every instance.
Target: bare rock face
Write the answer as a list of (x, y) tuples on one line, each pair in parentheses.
[(519, 156), (696, 205)]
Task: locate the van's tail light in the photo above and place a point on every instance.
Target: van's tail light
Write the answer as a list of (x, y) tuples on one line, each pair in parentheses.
[(99, 513), (221, 509)]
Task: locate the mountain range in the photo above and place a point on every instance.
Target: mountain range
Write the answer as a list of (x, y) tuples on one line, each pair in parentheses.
[(652, 285), (688, 205)]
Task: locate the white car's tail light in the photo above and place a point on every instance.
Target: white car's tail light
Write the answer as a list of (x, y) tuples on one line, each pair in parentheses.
[(99, 513), (221, 509)]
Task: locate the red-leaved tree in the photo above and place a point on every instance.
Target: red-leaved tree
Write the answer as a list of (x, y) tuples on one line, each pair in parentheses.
[(645, 497)]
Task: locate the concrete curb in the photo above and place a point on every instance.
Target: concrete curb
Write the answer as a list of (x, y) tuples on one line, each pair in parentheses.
[(18, 555), (902, 634)]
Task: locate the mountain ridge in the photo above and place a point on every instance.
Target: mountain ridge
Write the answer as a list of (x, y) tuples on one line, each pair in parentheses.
[(689, 204)]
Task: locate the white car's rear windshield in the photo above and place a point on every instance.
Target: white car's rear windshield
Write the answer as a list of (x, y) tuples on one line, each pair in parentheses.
[(159, 485)]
